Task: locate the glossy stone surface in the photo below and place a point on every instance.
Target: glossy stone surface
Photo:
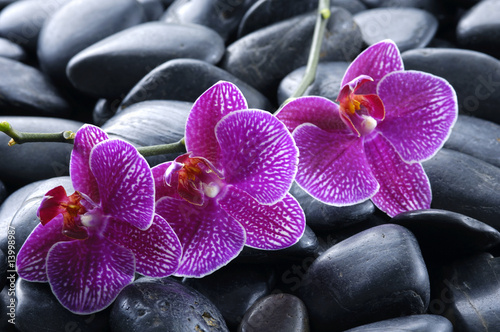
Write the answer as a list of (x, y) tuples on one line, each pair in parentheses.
[(414, 323), (11, 50)]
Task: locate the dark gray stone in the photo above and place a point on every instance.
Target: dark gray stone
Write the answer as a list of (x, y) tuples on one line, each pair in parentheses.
[(421, 4), (414, 323), (186, 80), (7, 310), (24, 90), (265, 56), (164, 305), (114, 65), (153, 9), (3, 192), (374, 275), (11, 50), (276, 313), (464, 184), (326, 84), (104, 109), (476, 137), (409, 28), (78, 25), (17, 165), (6, 263), (475, 77)]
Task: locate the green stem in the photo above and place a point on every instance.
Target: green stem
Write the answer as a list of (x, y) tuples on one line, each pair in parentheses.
[(154, 150), (312, 63), (18, 137)]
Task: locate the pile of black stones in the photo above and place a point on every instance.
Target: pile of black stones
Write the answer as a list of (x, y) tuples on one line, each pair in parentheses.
[(134, 67)]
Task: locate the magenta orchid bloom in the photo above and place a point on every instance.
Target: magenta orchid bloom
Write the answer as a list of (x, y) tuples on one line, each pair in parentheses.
[(389, 120), (231, 188), (90, 244)]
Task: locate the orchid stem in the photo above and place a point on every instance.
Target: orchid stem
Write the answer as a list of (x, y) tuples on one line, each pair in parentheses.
[(19, 137), (312, 63), (154, 150)]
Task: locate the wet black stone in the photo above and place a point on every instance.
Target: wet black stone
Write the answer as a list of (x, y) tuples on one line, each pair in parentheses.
[(234, 288), (265, 56), (17, 165), (24, 90), (265, 12), (475, 77), (470, 289), (78, 25), (348, 285), (39, 310), (414, 323), (22, 21), (422, 4), (11, 50), (164, 305), (153, 9), (320, 216), (276, 313), (326, 84), (464, 184), (409, 28), (479, 28), (104, 109), (221, 15), (476, 137), (151, 123), (445, 234), (186, 80), (114, 65)]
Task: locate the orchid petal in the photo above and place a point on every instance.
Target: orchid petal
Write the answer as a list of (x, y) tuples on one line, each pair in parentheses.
[(157, 250), (376, 61), (403, 186), (50, 207), (86, 276), (218, 101), (125, 182), (267, 227), (161, 188), (258, 154), (209, 236), (32, 257), (81, 176), (311, 109), (333, 166), (421, 110)]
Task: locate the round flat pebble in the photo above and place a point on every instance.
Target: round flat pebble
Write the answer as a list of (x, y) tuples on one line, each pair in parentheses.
[(11, 50), (414, 323)]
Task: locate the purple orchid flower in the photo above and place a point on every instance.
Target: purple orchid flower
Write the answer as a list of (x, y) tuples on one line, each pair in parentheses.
[(389, 120), (90, 244), (231, 188)]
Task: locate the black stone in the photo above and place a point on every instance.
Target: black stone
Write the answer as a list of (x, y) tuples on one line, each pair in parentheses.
[(409, 28), (3, 192), (17, 165), (414, 323), (78, 25), (24, 90), (326, 83), (164, 305), (39, 310), (104, 109), (114, 65), (464, 184), (476, 137), (22, 21), (276, 313), (475, 77), (479, 28), (374, 275), (265, 12), (11, 50), (7, 310), (265, 56), (221, 15), (4, 260), (151, 123), (234, 288), (422, 4), (446, 234), (4, 3), (153, 9), (186, 80), (320, 216)]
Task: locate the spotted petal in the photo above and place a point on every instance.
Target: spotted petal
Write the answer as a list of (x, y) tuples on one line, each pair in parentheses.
[(218, 101), (86, 276), (209, 236), (81, 176), (32, 257), (125, 182), (376, 61), (157, 250), (421, 110), (274, 226), (403, 186), (333, 166), (258, 154)]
